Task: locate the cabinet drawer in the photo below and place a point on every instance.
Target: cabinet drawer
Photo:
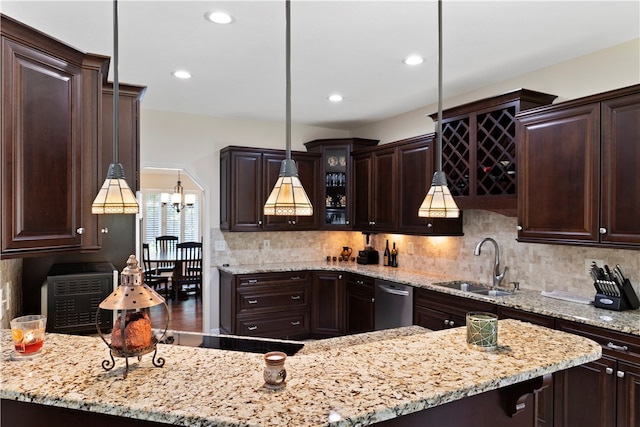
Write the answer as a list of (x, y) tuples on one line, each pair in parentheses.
[(270, 298), (358, 282), (455, 306), (536, 319), (617, 344), (275, 326), (284, 278)]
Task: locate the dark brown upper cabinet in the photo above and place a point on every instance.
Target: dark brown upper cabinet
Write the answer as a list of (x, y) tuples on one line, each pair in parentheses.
[(578, 179), (51, 125), (479, 153), (336, 180), (247, 176)]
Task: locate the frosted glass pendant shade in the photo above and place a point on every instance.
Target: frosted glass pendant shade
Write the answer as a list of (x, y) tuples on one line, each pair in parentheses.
[(438, 203), (115, 196), (288, 196)]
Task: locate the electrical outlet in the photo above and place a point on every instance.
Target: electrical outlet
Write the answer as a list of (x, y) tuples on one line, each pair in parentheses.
[(589, 261), (1, 303), (410, 248), (266, 244), (219, 245)]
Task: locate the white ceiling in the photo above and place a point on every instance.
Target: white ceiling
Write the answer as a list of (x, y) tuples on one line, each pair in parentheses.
[(354, 47)]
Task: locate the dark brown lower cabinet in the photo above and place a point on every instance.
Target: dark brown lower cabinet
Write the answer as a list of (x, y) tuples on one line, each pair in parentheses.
[(602, 393), (360, 304), (436, 310), (327, 304)]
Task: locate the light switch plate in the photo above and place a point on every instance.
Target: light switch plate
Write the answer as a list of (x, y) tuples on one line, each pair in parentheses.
[(219, 245), (266, 244)]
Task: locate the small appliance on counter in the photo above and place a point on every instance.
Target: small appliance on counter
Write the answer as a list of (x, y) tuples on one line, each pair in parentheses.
[(369, 255), (613, 289)]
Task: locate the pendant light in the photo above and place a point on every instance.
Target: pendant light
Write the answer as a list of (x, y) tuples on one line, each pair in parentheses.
[(288, 196), (115, 196), (439, 203)]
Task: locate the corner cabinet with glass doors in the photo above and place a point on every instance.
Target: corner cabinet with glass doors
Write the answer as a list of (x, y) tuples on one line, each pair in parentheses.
[(336, 183)]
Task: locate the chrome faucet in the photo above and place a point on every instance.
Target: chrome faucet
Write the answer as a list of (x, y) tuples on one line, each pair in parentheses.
[(497, 276)]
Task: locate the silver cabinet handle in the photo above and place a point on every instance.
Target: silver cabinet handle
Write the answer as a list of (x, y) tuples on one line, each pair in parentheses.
[(293, 222), (519, 227), (295, 277), (339, 276), (429, 225), (80, 230), (609, 371), (347, 222), (373, 300), (451, 323), (253, 280), (446, 322), (252, 301), (617, 347), (260, 222), (620, 374), (295, 297), (105, 230), (359, 282), (603, 230), (252, 328), (295, 323)]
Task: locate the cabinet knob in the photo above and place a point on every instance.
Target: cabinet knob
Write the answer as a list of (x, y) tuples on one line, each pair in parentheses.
[(609, 371), (603, 230), (260, 222), (519, 227), (80, 230), (452, 323), (373, 300), (347, 222), (446, 322), (105, 230), (293, 222), (620, 374), (339, 276), (429, 225)]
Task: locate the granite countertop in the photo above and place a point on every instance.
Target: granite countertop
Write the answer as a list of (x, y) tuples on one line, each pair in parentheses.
[(524, 299), (365, 378)]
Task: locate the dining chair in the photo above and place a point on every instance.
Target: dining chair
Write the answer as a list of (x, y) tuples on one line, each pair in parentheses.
[(166, 244), (188, 275), (152, 276)]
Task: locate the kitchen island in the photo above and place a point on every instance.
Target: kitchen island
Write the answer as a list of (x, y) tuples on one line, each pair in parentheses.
[(383, 377)]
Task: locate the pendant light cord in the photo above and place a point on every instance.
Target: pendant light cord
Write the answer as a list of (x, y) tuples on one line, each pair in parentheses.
[(439, 131), (116, 92), (288, 79)]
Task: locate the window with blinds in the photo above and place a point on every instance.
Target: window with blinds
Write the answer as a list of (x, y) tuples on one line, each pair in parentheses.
[(161, 220)]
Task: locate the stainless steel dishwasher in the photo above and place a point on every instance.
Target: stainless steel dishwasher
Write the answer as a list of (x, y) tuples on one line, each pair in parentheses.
[(393, 306)]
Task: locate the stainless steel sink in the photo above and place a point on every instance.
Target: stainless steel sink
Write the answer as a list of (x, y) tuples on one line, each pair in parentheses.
[(474, 288), (492, 292)]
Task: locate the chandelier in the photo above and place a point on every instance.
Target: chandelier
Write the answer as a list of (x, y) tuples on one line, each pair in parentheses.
[(178, 199)]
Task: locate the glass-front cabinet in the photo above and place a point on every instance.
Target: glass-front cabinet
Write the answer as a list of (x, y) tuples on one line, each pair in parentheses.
[(337, 186)]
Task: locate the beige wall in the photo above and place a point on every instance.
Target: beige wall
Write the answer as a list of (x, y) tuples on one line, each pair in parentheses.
[(601, 71), (193, 143)]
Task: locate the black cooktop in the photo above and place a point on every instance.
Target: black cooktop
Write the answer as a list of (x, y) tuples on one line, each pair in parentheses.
[(233, 343)]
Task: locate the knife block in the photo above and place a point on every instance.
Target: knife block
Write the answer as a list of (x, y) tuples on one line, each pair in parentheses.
[(628, 300)]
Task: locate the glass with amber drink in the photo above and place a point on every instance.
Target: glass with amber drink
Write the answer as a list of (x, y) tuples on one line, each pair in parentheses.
[(28, 334)]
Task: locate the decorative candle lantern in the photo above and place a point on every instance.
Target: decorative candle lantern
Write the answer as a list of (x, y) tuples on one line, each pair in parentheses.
[(132, 333)]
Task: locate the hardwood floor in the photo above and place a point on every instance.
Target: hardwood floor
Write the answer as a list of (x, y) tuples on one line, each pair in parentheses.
[(183, 315)]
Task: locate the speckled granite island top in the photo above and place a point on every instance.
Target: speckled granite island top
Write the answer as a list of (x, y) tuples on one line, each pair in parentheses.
[(527, 300), (365, 381)]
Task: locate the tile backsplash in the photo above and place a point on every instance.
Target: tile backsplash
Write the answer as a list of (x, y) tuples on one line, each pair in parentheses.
[(534, 266), (11, 283)]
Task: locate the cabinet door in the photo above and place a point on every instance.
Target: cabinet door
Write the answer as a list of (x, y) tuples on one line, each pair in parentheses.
[(246, 193), (585, 396), (41, 151), (431, 319), (363, 176), (309, 174), (415, 166), (385, 190), (628, 394), (620, 165), (327, 307), (559, 175), (271, 163), (360, 300)]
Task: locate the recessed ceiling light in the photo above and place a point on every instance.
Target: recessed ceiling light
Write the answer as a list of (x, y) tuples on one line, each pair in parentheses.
[(335, 97), (218, 17), (413, 60), (181, 74)]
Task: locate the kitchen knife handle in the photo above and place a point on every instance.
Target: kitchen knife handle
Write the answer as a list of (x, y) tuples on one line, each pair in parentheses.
[(617, 347)]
